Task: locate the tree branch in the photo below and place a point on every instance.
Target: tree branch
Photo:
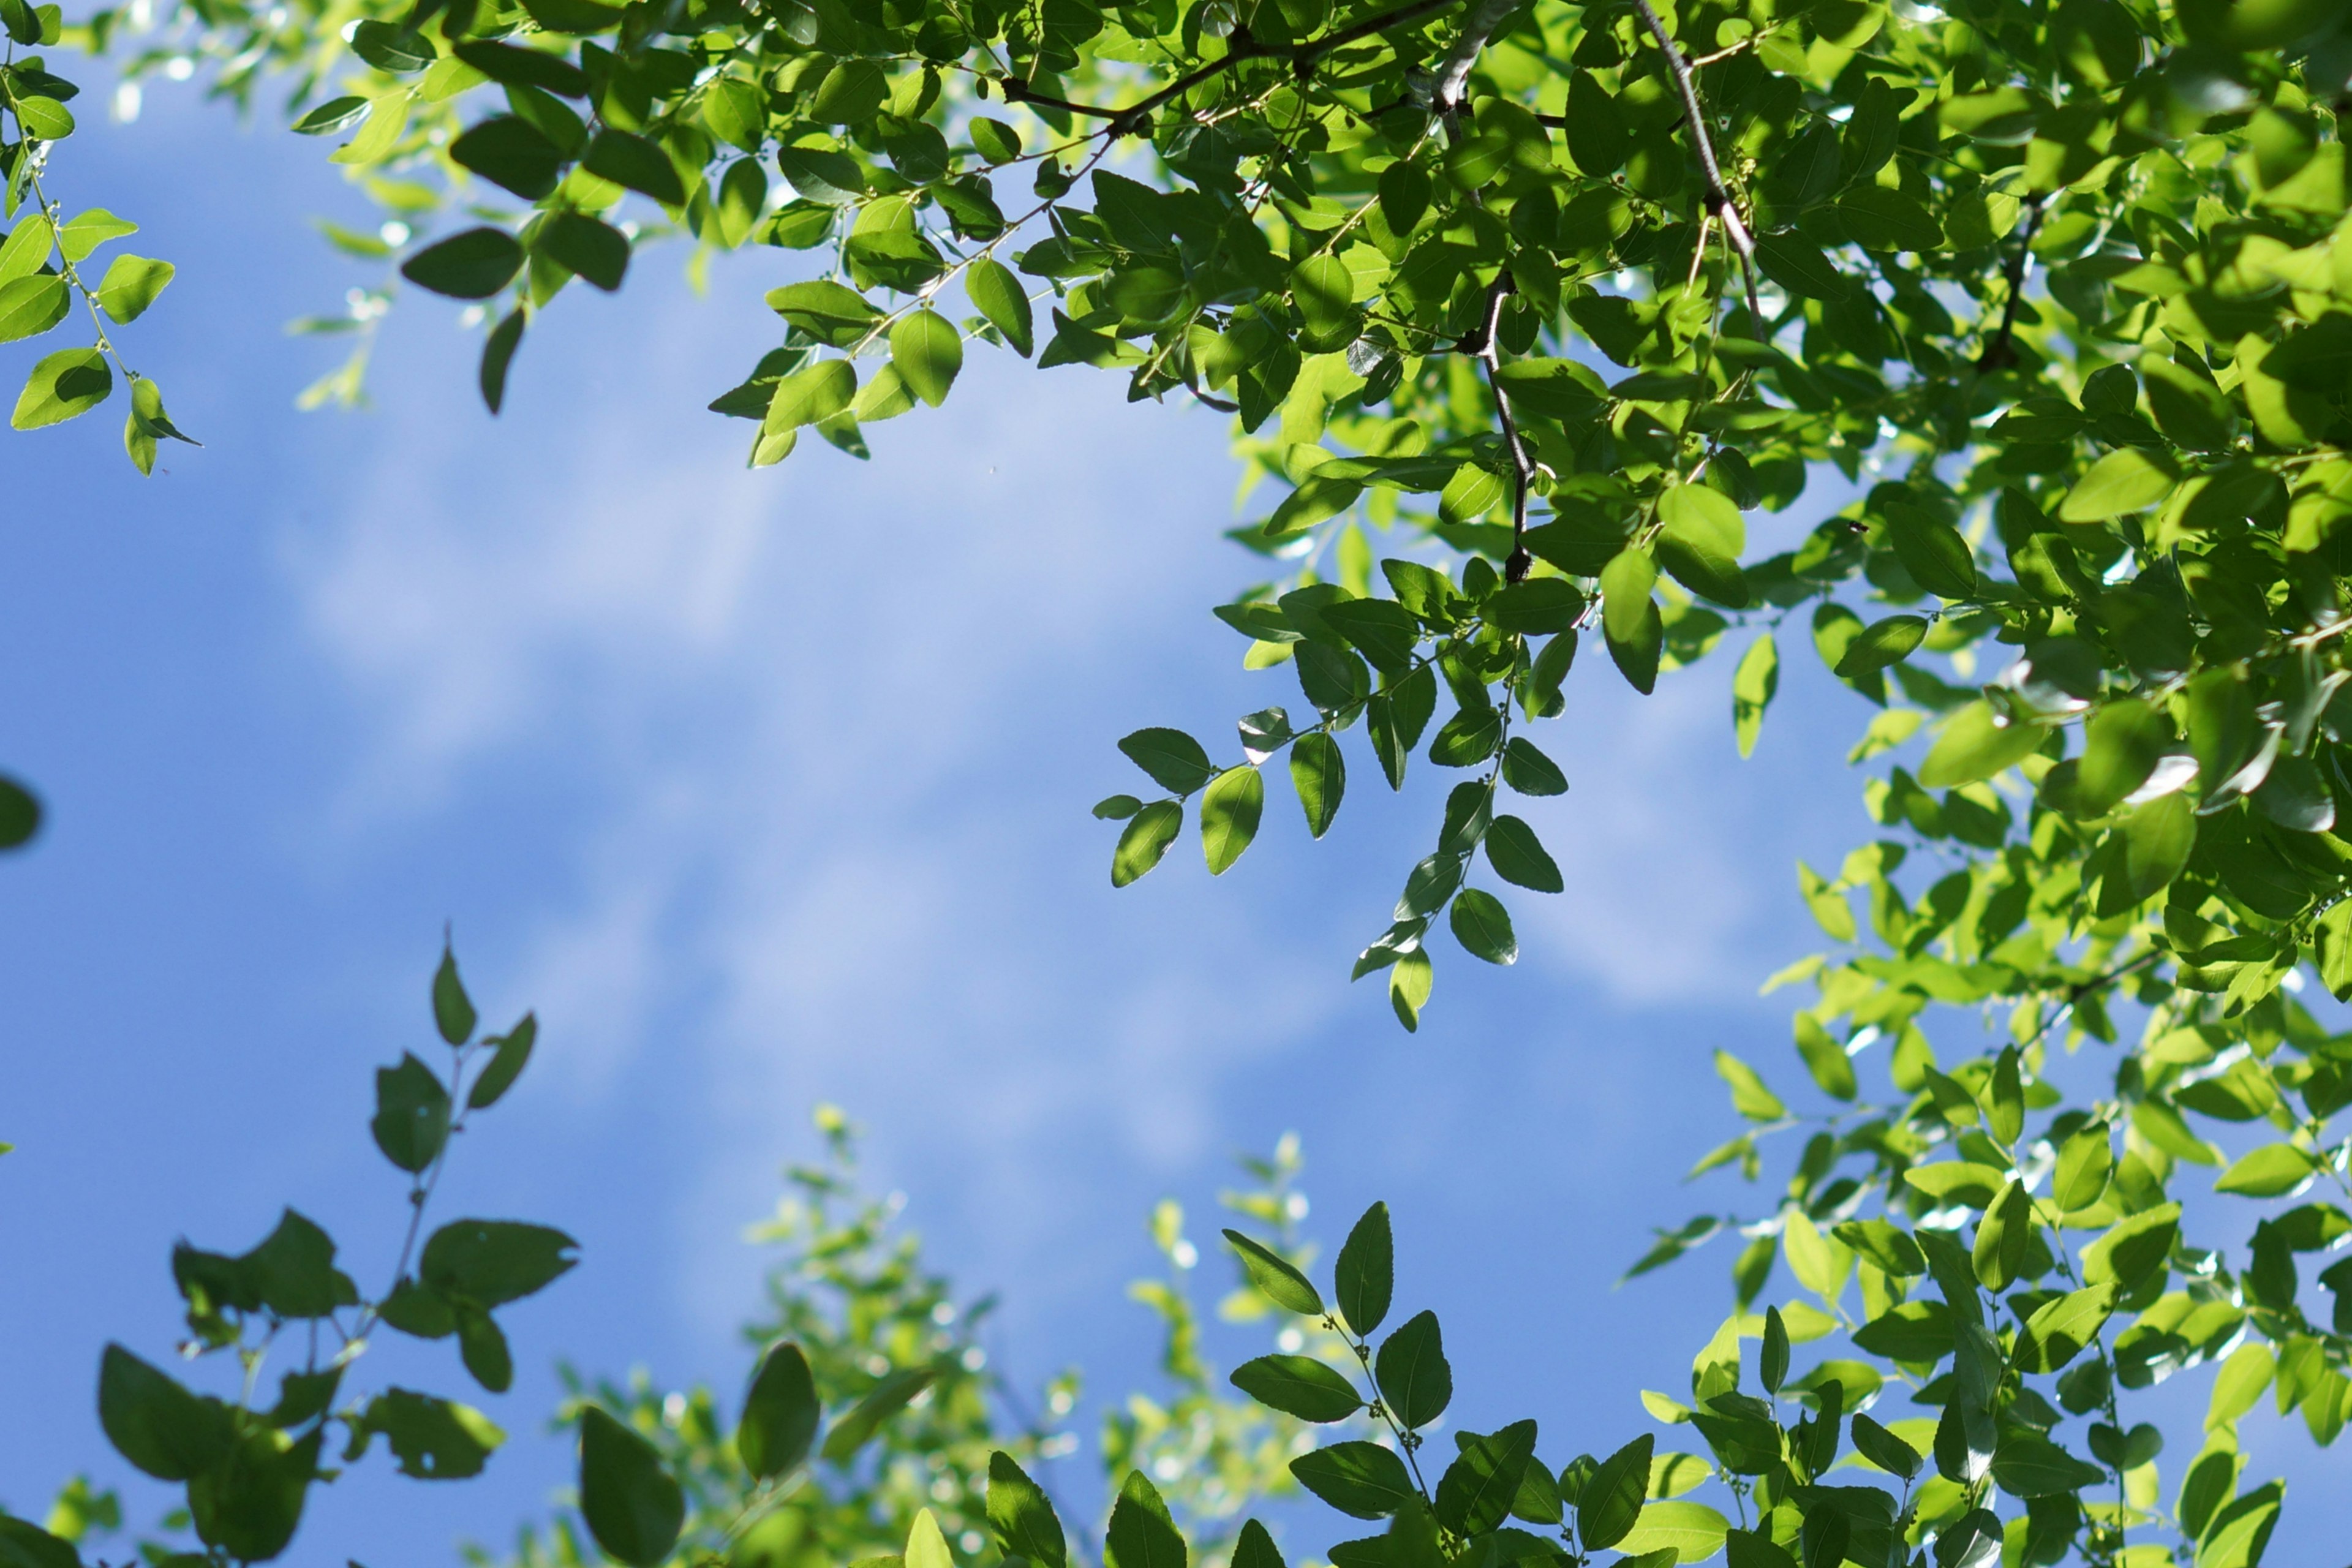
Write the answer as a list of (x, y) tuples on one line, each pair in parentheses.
[(1453, 76), (1481, 345), (1241, 47), (1718, 199), (1999, 355)]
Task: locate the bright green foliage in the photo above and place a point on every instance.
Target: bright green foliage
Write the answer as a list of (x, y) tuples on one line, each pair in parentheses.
[(1553, 298), (43, 253)]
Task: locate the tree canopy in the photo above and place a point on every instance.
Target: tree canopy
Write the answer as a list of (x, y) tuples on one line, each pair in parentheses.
[(1520, 311)]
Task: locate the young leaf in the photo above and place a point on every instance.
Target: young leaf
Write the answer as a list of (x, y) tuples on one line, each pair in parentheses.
[(1772, 1365), (510, 1053), (1275, 1276), (453, 1010)]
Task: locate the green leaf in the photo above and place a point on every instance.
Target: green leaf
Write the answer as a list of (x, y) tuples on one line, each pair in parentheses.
[(1362, 1480), (510, 151), (925, 1546), (1365, 1274), (1255, 1548), (156, 1424), (482, 1346), (2272, 1171), (2059, 1330), (510, 1054), (1753, 687), (1477, 1491), (453, 1010), (1700, 541), (433, 1439), (994, 140), (1976, 744), (411, 1114), (2122, 743), (473, 265), (1932, 551), (1879, 218), (497, 356), (1275, 1278), (1629, 617), (1691, 1531), (2084, 1162), (2129, 480), (866, 1418), (249, 1505), (1023, 1515), (490, 1262), (1824, 1059), (1610, 1503), (1483, 926), (85, 232), (1883, 1449), (514, 64), (1518, 856), (1416, 1383), (1117, 807), (1141, 1534), (335, 114), (1750, 1097), (573, 16), (62, 385), (1173, 759), (1319, 774), (1529, 771), (632, 162), (2028, 1465), (997, 294), (586, 246), (31, 306), (20, 815), (43, 118), (1299, 1385), (1230, 810), (1798, 265), (633, 1506), (780, 1412), (1145, 839), (26, 248), (1882, 643), (927, 352), (1772, 1364)]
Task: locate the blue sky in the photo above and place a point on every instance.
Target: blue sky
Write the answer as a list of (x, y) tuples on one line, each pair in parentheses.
[(764, 789)]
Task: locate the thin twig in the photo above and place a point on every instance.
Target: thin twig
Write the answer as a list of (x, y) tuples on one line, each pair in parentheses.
[(2000, 353), (1718, 199)]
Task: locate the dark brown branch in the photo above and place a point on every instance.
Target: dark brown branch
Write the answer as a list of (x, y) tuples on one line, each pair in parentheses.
[(1242, 47), (2000, 353), (1718, 199), (1481, 345)]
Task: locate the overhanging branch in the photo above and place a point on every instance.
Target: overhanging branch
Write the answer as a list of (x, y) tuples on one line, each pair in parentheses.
[(1718, 199)]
